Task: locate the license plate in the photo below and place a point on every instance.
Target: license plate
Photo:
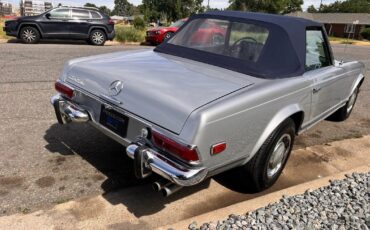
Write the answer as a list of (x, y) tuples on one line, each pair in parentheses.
[(114, 121)]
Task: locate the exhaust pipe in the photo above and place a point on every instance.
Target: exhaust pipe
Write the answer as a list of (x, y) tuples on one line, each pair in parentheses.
[(159, 185), (171, 189)]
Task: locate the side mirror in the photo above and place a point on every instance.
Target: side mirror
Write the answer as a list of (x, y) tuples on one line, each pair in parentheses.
[(48, 15)]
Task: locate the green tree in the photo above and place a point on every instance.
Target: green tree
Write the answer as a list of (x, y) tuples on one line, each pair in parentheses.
[(267, 6), (123, 8), (105, 10), (311, 9), (349, 6), (139, 23), (293, 6), (170, 10), (90, 5)]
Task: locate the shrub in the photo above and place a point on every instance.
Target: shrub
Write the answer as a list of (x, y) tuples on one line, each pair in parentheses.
[(366, 33), (129, 34), (139, 23)]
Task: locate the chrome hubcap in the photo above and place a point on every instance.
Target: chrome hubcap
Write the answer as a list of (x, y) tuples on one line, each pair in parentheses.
[(98, 38), (29, 35), (279, 155), (168, 36), (351, 101)]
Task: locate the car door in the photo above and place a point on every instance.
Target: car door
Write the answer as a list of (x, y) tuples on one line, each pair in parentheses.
[(327, 80), (80, 23), (56, 23)]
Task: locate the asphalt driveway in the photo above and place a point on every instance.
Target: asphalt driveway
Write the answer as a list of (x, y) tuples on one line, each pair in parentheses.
[(42, 163)]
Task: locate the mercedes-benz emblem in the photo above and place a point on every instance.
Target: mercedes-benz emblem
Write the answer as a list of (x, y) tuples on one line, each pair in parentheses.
[(115, 88)]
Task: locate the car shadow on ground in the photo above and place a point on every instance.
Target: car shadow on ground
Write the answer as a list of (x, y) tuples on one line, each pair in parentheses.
[(109, 158)]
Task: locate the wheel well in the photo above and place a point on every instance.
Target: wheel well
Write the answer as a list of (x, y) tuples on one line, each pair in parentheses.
[(362, 81), (98, 28), (298, 120), (29, 25)]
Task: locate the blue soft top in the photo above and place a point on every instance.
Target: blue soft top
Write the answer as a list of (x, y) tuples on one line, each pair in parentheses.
[(284, 53)]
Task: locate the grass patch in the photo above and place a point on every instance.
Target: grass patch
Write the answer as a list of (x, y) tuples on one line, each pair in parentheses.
[(2, 33), (354, 135), (24, 210), (129, 34), (343, 40), (62, 200)]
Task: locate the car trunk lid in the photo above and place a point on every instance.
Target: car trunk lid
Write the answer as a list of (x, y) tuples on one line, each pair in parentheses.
[(160, 88)]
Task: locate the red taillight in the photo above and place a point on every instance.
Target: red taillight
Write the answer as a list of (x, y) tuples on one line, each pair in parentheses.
[(218, 148), (110, 21), (63, 89), (166, 144)]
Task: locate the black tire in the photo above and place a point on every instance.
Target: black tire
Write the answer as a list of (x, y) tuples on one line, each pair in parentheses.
[(343, 113), (29, 35), (167, 36), (97, 38), (257, 175)]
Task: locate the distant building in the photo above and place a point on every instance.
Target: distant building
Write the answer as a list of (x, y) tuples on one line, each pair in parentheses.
[(342, 25), (34, 7), (5, 8)]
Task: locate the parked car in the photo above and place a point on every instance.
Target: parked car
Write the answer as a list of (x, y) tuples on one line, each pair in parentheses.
[(73, 23), (159, 34), (190, 110)]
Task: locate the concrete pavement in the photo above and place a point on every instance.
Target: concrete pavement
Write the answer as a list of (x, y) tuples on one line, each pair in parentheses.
[(141, 208)]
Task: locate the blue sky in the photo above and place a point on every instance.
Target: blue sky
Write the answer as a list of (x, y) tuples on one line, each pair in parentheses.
[(213, 3)]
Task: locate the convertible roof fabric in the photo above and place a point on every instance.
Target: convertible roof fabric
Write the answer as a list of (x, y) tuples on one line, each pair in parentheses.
[(283, 55)]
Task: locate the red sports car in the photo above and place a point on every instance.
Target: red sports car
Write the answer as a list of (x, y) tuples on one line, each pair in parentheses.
[(159, 34)]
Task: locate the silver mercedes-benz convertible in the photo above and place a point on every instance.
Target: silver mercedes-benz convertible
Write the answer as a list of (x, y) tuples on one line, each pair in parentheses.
[(230, 90)]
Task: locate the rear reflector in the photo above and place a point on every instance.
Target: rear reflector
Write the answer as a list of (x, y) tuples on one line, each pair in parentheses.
[(168, 145), (63, 89), (111, 22), (218, 148)]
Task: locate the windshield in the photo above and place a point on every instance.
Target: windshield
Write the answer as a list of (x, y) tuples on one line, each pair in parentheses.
[(233, 39), (178, 23)]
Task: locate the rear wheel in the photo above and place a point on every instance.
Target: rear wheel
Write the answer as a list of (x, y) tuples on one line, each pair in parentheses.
[(262, 171), (30, 35), (343, 113), (97, 37)]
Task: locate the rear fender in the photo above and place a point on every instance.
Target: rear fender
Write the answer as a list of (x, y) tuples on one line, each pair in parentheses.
[(279, 117), (357, 83), (98, 28)]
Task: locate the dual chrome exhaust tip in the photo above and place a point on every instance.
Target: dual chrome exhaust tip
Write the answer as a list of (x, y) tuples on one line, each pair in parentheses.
[(165, 187)]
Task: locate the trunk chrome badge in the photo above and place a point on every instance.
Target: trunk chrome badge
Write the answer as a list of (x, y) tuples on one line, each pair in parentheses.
[(115, 88), (76, 80)]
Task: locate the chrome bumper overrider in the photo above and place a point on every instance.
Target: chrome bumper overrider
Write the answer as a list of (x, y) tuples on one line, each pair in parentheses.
[(146, 160), (68, 112)]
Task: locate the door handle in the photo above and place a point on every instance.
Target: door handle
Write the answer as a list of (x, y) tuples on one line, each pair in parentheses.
[(316, 90)]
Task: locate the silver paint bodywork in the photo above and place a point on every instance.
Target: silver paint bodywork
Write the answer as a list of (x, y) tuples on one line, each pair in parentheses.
[(200, 104)]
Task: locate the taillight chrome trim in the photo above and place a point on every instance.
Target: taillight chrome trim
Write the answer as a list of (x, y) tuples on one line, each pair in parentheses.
[(64, 85), (180, 142)]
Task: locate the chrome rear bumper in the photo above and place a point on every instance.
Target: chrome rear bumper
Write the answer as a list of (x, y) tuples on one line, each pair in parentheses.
[(67, 112), (148, 160)]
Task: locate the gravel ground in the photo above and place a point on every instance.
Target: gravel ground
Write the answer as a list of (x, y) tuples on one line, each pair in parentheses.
[(344, 204)]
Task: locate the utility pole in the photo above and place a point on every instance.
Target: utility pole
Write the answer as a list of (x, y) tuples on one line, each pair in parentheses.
[(320, 6), (208, 5)]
